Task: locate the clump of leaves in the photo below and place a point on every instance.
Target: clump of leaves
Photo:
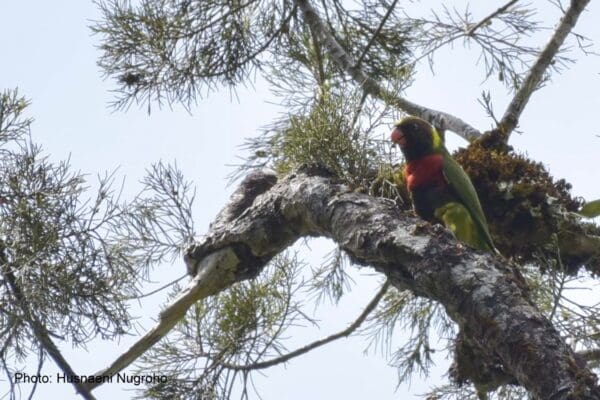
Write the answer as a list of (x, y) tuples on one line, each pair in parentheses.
[(58, 264), (525, 206), (590, 209), (70, 257), (327, 136), (176, 51), (390, 183)]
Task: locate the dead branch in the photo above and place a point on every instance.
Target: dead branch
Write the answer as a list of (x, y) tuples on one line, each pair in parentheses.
[(217, 270)]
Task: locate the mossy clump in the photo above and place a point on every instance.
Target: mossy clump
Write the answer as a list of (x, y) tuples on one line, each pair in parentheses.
[(390, 183), (322, 140), (326, 136), (525, 206)]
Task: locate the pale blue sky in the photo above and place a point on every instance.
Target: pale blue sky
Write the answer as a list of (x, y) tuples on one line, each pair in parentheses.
[(47, 52)]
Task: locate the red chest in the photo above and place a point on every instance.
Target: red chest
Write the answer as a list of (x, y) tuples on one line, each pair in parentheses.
[(426, 171)]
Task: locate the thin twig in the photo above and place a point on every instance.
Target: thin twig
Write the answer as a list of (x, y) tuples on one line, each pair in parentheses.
[(484, 21), (377, 31), (320, 66), (141, 296), (318, 343), (38, 372), (511, 116)]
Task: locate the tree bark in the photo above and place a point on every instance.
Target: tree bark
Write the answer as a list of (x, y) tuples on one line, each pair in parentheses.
[(482, 293), (485, 295)]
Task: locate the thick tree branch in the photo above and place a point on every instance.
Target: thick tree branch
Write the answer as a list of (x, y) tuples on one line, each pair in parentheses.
[(344, 60), (480, 292), (511, 116)]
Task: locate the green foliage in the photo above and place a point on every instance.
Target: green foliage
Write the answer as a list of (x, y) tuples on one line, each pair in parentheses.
[(207, 352), (51, 245), (172, 51), (70, 258), (327, 136), (590, 209), (157, 225), (390, 183), (331, 279), (13, 124), (244, 310), (419, 317)]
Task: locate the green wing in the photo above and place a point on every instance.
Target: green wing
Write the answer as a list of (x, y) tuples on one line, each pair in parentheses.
[(463, 187), (457, 218)]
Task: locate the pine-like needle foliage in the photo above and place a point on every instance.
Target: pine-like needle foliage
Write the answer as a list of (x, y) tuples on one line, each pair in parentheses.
[(58, 261), (213, 351), (174, 51), (70, 257), (177, 50), (325, 137)]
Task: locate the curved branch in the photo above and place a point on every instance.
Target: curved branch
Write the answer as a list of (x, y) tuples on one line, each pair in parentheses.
[(153, 292), (344, 60), (317, 343), (511, 116), (216, 275), (480, 292)]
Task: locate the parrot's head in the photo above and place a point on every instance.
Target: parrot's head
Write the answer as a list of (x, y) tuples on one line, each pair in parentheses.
[(416, 138)]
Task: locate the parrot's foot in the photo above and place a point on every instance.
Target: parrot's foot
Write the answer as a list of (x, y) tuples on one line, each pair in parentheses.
[(389, 201), (420, 228)]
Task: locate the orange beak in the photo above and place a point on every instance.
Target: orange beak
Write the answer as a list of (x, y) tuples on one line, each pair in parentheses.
[(398, 137)]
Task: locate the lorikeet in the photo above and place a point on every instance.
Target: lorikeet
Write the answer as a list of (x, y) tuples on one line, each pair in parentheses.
[(440, 189)]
